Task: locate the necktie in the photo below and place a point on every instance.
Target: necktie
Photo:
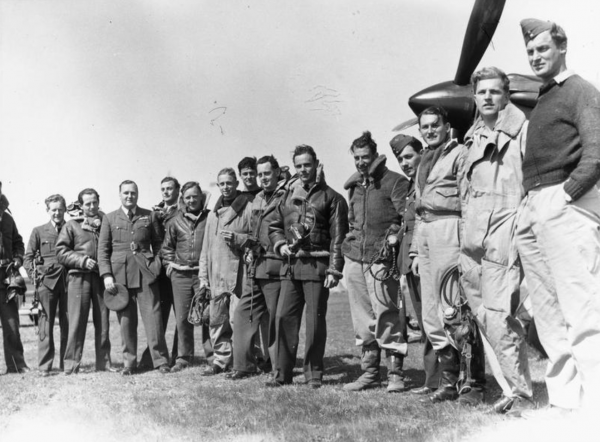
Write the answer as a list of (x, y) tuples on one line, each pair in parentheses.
[(58, 227), (130, 215)]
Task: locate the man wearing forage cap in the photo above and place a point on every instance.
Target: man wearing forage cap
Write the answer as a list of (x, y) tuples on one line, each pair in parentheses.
[(558, 222)]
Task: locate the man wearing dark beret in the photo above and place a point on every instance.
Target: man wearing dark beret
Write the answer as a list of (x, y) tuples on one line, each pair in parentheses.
[(407, 151), (558, 233)]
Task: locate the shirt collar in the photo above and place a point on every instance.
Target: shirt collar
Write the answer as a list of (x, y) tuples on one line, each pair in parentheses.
[(126, 211), (54, 224), (562, 77)]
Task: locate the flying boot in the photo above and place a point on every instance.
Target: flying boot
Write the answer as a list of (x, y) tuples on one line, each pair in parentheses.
[(449, 370), (474, 395), (369, 363), (395, 373)]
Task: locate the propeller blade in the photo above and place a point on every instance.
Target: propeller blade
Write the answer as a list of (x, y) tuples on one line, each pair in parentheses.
[(403, 126), (480, 30)]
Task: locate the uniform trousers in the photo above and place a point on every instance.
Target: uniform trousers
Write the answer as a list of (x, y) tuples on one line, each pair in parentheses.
[(185, 284), (165, 290), (52, 301), (374, 306), (271, 289), (9, 317), (147, 299), (294, 295), (559, 246), (87, 289), (438, 250), (252, 317), (430, 360)]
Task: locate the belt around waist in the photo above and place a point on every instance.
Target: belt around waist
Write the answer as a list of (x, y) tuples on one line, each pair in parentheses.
[(429, 215)]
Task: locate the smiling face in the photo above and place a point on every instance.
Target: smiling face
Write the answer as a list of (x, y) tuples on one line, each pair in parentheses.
[(56, 210), (433, 131), (192, 198), (363, 158), (169, 192), (409, 161), (90, 205), (248, 176), (306, 168), (227, 186), (490, 98), (267, 176), (546, 59), (129, 195)]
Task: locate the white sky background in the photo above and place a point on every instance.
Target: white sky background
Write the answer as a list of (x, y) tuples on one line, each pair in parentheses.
[(95, 92)]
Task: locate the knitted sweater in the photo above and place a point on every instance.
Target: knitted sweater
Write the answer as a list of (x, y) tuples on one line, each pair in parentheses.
[(563, 139)]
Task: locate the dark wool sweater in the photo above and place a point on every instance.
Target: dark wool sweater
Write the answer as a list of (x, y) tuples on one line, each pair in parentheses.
[(563, 139)]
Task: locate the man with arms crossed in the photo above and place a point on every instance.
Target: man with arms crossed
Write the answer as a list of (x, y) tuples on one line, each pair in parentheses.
[(557, 229), (129, 244)]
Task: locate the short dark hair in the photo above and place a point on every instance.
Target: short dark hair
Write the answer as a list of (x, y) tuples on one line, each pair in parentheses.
[(304, 149), (56, 198), (227, 171), (87, 191), (247, 163), (365, 140), (174, 180), (126, 182), (489, 73), (435, 110), (190, 185), (268, 159), (558, 34)]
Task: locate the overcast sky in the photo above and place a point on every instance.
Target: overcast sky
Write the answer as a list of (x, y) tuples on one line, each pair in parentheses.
[(95, 92)]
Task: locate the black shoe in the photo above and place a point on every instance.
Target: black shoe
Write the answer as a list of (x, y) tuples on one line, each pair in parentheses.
[(442, 394), (521, 405), (164, 369), (128, 371), (424, 390), (178, 367), (214, 369), (315, 384), (274, 384), (237, 375)]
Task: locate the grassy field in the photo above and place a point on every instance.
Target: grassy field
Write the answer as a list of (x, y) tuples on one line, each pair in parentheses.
[(187, 407)]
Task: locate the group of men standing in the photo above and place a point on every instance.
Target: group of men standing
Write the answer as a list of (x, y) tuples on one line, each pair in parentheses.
[(464, 226)]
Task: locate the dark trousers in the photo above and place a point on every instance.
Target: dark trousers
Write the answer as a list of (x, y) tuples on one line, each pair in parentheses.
[(185, 283), (249, 315), (430, 360), (52, 301), (87, 289), (294, 295), (165, 290), (147, 299), (13, 347), (271, 289)]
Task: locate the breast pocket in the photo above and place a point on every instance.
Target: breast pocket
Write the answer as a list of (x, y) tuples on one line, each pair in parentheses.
[(119, 233), (47, 248)]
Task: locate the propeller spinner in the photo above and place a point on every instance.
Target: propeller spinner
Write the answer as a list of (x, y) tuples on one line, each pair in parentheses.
[(456, 96)]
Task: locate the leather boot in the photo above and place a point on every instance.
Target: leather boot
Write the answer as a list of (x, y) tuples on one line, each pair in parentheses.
[(449, 370), (475, 395), (395, 373), (369, 363)]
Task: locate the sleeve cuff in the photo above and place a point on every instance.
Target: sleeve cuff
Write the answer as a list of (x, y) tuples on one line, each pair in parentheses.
[(573, 189)]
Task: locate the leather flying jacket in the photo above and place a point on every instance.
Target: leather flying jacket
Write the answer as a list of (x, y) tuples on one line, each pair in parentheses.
[(326, 213), (376, 208), (183, 240), (78, 241)]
